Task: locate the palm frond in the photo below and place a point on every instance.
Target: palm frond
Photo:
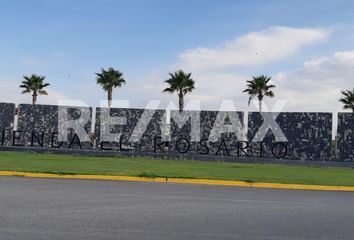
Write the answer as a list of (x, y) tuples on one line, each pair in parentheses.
[(180, 82), (259, 87), (110, 79), (34, 83), (348, 99)]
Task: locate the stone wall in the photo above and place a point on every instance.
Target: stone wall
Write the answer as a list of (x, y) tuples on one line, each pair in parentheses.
[(223, 144), (345, 137), (128, 129), (7, 114), (139, 130), (38, 125), (308, 135)]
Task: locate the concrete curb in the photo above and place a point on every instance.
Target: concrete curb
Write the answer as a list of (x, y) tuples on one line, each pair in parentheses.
[(181, 180)]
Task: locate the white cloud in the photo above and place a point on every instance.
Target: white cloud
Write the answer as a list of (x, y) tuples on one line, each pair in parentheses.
[(31, 61), (212, 88), (58, 55), (10, 92), (252, 49), (214, 82), (42, 61), (314, 86), (317, 84)]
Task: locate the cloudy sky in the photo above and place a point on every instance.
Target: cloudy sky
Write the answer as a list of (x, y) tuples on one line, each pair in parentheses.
[(307, 47)]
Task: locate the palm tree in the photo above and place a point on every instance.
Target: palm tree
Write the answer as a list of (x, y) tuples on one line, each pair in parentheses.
[(110, 79), (258, 87), (34, 84), (181, 83), (348, 99)]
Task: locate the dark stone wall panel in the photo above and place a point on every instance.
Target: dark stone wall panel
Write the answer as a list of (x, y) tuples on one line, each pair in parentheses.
[(308, 135), (44, 119), (135, 120), (345, 137), (7, 115), (207, 122)]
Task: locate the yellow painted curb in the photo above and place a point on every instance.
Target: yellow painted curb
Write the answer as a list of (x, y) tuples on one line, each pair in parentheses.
[(181, 180)]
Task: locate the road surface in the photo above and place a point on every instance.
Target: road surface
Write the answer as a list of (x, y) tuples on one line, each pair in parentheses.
[(84, 209)]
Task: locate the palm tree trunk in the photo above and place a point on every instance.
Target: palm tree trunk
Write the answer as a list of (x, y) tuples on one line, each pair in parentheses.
[(109, 97), (34, 98), (260, 99), (180, 102), (260, 106)]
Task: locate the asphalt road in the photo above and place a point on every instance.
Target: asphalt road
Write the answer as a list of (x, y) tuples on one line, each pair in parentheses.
[(82, 209)]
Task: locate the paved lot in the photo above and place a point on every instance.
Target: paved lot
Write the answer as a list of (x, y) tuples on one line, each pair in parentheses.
[(79, 209)]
